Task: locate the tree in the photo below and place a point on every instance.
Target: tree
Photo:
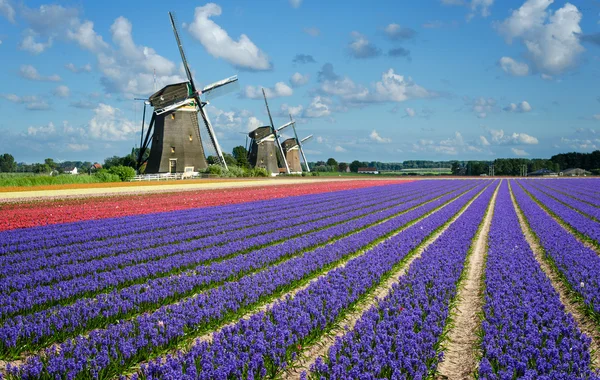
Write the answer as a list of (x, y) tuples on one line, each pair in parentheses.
[(7, 163), (212, 160), (354, 166), (50, 162), (455, 168), (342, 166), (332, 162), (241, 155), (229, 159)]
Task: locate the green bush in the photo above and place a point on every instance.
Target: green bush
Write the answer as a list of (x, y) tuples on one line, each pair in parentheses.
[(259, 172), (314, 174), (214, 169), (237, 171), (125, 173), (104, 175)]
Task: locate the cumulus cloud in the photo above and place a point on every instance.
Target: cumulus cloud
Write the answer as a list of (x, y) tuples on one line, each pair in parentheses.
[(519, 152), (253, 123), (360, 47), (551, 38), (295, 3), (109, 124), (481, 7), (312, 31), (499, 137), (29, 44), (298, 79), (42, 132), (481, 106), (449, 146), (242, 53), (513, 67), (410, 112), (31, 73), (78, 147), (395, 32), (318, 107), (286, 110), (339, 149), (279, 90), (303, 59), (82, 69), (524, 106), (483, 141), (31, 102), (62, 91), (374, 136), (7, 10)]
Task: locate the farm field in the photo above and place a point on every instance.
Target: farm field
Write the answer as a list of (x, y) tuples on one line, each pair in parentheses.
[(370, 279)]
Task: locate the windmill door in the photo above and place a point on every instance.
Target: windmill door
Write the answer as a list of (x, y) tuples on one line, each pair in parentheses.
[(173, 165)]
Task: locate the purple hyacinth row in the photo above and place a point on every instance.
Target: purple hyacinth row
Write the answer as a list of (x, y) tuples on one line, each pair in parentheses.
[(583, 207), (22, 330), (173, 259), (579, 264), (111, 258), (579, 222), (526, 331), (263, 344), (45, 236), (112, 230), (584, 194), (398, 338), (106, 351)]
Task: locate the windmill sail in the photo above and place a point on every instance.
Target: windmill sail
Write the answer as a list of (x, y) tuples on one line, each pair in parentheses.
[(280, 153)]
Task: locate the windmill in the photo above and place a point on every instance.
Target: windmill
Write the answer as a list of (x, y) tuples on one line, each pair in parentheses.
[(174, 134), (265, 148), (292, 148)]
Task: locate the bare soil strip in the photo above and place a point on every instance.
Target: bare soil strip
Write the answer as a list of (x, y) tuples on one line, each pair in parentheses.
[(461, 343), (310, 354), (587, 326)]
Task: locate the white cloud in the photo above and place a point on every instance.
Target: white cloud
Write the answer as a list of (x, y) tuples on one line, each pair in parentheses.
[(30, 45), (524, 106), (498, 137), (87, 38), (298, 79), (242, 53), (396, 32), (597, 116), (295, 3), (360, 47), (551, 38), (62, 91), (377, 138), (397, 88), (339, 149), (482, 106), (7, 10), (481, 7), (30, 72), (519, 152), (279, 90), (286, 110), (74, 69), (410, 112), (78, 147), (513, 67), (312, 31), (253, 123), (483, 141), (450, 146), (319, 107), (109, 124), (32, 102), (42, 132), (320, 139), (547, 77)]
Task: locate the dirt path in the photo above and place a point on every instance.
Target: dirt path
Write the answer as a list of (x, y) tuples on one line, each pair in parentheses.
[(460, 352), (587, 326), (321, 348)]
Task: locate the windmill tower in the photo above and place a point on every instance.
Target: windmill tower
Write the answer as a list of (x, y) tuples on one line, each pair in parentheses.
[(292, 148), (266, 150), (174, 131)]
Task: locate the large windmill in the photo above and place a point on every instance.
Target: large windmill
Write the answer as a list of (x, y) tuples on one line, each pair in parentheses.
[(174, 134), (292, 148), (266, 150)]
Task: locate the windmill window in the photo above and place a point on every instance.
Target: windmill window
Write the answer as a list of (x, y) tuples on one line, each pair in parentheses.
[(173, 116), (190, 137), (172, 149)]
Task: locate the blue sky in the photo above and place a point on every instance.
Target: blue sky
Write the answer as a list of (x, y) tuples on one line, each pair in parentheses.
[(378, 80)]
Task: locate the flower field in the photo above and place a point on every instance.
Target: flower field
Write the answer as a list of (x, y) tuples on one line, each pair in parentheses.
[(332, 280)]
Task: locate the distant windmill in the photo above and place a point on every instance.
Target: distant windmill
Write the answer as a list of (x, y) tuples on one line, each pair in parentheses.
[(292, 148), (174, 130), (266, 150)]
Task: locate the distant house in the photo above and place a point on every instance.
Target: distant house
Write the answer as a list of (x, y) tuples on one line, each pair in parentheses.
[(70, 170), (368, 170), (542, 173), (96, 166), (575, 172)]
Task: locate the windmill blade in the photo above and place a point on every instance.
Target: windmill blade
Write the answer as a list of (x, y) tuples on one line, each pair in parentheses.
[(280, 148), (300, 145), (181, 51), (306, 138), (147, 140), (220, 88), (212, 136), (285, 126)]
